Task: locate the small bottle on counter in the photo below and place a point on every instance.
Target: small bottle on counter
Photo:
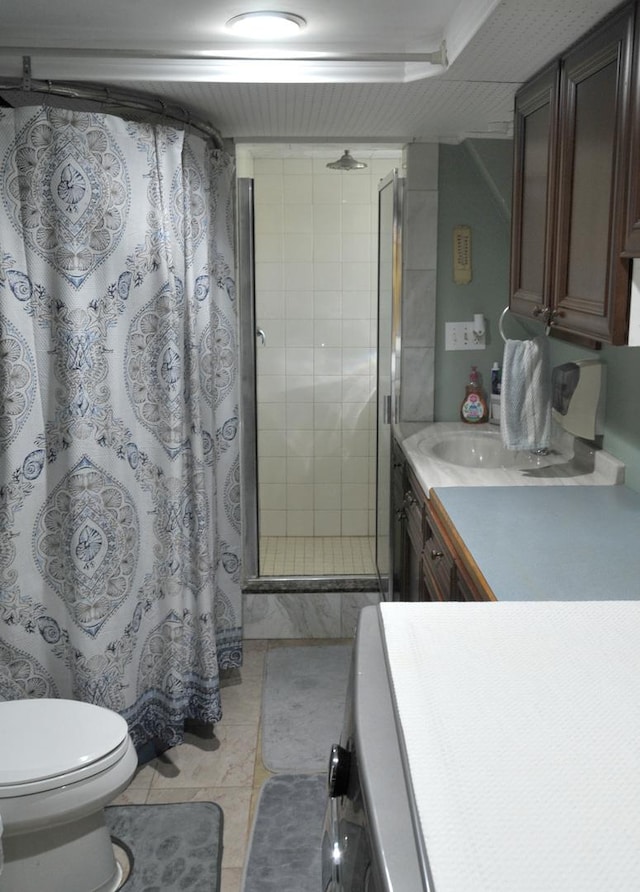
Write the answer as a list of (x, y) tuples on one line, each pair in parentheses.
[(494, 399), (496, 378), (474, 405)]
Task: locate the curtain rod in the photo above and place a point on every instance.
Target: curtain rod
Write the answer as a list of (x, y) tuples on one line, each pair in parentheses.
[(112, 98)]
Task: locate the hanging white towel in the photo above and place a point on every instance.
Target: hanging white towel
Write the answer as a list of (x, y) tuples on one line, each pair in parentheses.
[(525, 420)]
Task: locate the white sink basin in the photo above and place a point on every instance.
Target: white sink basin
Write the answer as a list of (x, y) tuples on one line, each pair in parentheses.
[(482, 449), (450, 453)]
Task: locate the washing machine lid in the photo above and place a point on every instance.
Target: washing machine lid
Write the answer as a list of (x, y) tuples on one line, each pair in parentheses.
[(43, 738)]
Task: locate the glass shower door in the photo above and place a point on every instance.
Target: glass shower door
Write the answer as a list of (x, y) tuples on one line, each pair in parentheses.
[(390, 196)]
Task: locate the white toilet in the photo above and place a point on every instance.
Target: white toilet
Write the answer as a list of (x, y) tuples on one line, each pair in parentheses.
[(61, 762)]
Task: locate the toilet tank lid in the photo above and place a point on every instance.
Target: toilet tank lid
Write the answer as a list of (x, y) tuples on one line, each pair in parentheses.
[(42, 738)]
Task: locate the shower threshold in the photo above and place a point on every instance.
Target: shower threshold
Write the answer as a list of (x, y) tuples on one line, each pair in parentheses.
[(310, 584)]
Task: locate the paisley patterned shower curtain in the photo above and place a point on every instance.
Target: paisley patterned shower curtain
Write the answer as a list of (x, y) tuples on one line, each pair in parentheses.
[(119, 460)]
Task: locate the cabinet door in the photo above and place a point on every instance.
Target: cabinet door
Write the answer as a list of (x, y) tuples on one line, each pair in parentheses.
[(464, 589), (591, 280), (398, 521), (438, 560), (632, 242), (534, 189), (414, 578), (414, 513)]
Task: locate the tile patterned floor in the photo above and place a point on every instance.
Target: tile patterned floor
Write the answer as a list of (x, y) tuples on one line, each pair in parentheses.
[(226, 768), (317, 556)]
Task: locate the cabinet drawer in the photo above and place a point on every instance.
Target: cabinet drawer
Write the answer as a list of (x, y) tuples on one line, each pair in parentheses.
[(437, 561)]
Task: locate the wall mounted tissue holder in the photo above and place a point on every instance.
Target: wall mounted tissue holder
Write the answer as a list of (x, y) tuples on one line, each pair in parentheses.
[(577, 397)]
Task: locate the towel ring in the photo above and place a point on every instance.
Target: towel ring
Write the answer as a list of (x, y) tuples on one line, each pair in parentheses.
[(501, 324), (547, 315)]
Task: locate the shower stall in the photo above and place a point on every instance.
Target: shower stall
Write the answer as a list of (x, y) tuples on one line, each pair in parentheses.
[(308, 302)]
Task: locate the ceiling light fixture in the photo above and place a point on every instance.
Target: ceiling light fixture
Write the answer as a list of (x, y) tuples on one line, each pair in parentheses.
[(266, 24), (346, 162)]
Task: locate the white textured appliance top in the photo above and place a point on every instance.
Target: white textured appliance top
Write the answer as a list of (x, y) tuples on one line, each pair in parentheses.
[(521, 729)]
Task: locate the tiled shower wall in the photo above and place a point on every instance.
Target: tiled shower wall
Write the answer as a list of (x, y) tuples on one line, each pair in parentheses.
[(316, 301)]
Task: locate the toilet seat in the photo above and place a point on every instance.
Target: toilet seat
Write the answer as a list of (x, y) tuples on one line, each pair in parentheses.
[(48, 743)]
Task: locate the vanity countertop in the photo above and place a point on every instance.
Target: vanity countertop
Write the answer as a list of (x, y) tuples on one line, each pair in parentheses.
[(550, 543)]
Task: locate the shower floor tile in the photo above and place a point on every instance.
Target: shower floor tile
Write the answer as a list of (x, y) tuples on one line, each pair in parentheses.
[(317, 556)]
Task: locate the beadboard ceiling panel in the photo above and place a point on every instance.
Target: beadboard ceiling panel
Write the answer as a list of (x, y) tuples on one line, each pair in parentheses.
[(436, 108), (492, 46)]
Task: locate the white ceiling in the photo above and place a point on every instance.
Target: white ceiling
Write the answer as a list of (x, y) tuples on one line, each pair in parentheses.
[(172, 49)]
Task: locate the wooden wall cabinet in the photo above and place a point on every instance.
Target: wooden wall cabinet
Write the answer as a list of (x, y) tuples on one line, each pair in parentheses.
[(571, 156), (534, 193)]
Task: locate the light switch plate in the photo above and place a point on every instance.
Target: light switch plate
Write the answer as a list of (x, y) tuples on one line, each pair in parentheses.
[(461, 336)]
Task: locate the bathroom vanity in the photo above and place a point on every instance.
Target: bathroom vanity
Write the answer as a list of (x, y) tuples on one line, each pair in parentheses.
[(561, 528)]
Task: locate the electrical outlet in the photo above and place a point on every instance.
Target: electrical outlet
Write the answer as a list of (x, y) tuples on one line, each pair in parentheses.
[(461, 336)]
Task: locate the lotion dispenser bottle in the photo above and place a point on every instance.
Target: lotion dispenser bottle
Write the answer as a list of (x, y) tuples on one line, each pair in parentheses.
[(474, 405)]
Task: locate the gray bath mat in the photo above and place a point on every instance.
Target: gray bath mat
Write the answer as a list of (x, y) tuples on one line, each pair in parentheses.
[(286, 842), (173, 847), (303, 706)]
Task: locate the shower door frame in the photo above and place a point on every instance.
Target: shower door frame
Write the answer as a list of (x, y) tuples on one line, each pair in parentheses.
[(252, 581), (389, 356), (246, 291)]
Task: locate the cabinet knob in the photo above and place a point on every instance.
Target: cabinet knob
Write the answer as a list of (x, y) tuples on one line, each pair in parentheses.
[(436, 554), (541, 311), (547, 315), (552, 318)]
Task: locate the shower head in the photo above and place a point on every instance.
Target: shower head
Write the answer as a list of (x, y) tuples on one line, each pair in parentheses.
[(346, 162)]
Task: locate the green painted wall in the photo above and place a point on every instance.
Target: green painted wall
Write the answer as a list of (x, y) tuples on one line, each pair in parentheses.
[(472, 186), (470, 193)]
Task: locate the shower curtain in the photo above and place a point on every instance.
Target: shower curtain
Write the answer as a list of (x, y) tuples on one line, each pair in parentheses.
[(119, 459)]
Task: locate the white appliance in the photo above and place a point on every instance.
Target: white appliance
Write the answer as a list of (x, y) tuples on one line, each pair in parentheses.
[(488, 746), (368, 842)]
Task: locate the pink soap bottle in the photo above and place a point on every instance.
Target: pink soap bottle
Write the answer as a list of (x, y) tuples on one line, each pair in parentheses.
[(474, 405)]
